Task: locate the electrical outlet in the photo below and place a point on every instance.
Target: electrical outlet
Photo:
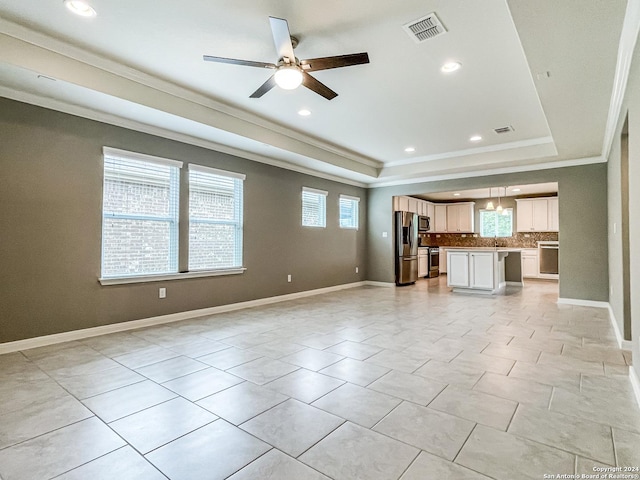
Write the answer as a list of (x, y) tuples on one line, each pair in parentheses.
[(356, 269), (289, 278), (464, 235), (162, 292), (384, 234), (526, 235)]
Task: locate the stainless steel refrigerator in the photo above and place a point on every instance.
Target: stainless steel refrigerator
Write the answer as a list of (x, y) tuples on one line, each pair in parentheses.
[(406, 225)]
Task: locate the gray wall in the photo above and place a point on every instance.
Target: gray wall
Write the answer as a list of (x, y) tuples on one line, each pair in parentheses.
[(50, 222), (583, 234), (621, 213)]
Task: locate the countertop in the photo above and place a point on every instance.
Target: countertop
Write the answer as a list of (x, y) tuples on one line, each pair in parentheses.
[(490, 249)]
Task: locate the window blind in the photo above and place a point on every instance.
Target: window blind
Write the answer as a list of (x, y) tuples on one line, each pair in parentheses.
[(215, 219), (348, 207), (314, 207), (139, 216)]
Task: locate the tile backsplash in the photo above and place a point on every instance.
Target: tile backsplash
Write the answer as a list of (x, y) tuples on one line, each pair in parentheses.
[(518, 240)]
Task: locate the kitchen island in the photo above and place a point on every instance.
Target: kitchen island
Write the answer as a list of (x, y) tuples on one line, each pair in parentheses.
[(483, 271)]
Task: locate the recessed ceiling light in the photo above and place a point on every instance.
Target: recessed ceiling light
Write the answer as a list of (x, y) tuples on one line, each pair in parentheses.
[(515, 190), (450, 67), (80, 7), (456, 194), (475, 138), (410, 149), (304, 112)]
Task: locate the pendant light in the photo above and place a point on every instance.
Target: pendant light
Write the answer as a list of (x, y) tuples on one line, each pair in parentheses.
[(490, 203), (499, 207)]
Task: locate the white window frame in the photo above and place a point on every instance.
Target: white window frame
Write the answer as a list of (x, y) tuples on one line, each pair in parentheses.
[(495, 235), (321, 196), (237, 222), (355, 208), (175, 275), (113, 154)]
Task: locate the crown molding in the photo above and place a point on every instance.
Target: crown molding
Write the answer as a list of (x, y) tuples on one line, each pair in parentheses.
[(98, 116), (628, 41), (488, 172)]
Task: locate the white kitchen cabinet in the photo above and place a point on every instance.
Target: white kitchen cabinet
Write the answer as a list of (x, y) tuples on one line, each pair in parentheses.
[(413, 205), (529, 263), (460, 218), (481, 270), (431, 213), (458, 269), (553, 214), (537, 215), (442, 264), (422, 208), (476, 271), (440, 223), (401, 204), (423, 262), (453, 218)]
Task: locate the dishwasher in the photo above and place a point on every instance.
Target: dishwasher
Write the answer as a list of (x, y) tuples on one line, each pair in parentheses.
[(548, 258)]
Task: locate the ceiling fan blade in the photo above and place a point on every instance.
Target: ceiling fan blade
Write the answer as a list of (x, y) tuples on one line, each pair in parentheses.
[(234, 61), (318, 87), (264, 88), (324, 63), (282, 38)]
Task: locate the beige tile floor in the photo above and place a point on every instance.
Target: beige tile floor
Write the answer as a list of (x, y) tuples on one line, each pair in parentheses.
[(368, 383)]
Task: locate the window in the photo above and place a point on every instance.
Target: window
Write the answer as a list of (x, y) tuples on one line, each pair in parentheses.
[(349, 211), (215, 218), (314, 207), (495, 224), (139, 214)]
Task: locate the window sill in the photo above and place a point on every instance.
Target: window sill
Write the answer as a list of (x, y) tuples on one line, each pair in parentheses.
[(170, 276)]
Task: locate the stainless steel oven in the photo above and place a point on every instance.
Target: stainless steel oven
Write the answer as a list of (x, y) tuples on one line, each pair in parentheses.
[(434, 262), (548, 259)]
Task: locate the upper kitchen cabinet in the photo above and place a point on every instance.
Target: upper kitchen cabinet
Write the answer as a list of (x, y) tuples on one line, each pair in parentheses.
[(454, 217), (440, 221), (537, 214), (401, 204), (553, 214), (414, 205), (460, 217)]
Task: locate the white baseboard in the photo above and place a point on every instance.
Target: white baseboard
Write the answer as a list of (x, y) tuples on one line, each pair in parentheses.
[(380, 284), (635, 382), (45, 340), (582, 303), (622, 343)]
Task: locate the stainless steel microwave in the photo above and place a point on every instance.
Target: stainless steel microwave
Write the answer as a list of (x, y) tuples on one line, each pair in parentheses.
[(424, 224)]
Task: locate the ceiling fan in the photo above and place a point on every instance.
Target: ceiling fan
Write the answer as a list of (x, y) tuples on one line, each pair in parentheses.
[(290, 72)]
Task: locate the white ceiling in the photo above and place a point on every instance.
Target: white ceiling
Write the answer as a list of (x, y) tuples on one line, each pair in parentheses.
[(139, 64)]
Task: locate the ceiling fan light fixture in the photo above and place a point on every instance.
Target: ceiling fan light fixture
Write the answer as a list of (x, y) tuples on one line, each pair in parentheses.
[(80, 7), (288, 77)]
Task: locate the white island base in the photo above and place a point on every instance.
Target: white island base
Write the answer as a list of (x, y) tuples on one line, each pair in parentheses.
[(477, 271)]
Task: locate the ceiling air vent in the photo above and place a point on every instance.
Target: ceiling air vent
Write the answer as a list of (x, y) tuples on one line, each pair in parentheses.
[(503, 129), (425, 28)]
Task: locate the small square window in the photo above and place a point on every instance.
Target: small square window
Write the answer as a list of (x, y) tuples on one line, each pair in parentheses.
[(314, 207), (349, 211)]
